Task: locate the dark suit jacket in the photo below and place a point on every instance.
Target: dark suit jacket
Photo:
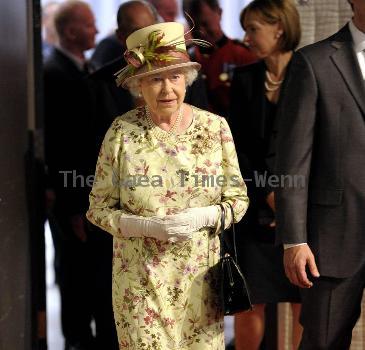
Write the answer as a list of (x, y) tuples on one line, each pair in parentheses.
[(321, 137), (69, 132), (109, 100), (108, 50), (251, 127)]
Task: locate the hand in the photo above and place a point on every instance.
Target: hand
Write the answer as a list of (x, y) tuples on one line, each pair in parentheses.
[(200, 217), (170, 228), (78, 227), (295, 261)]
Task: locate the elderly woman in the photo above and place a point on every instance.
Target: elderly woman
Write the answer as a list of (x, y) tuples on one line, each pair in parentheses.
[(272, 33), (162, 172)]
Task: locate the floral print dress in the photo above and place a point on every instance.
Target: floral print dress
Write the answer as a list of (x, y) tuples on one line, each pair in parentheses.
[(164, 294)]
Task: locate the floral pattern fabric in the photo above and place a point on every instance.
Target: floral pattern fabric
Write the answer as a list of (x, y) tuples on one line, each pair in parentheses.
[(164, 294)]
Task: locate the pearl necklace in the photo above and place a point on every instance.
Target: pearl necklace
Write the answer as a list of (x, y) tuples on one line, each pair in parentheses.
[(276, 84), (161, 134), (272, 82)]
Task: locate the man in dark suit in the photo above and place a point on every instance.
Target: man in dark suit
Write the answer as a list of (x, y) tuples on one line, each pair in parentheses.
[(112, 101), (321, 201), (85, 254), (107, 50), (109, 99), (131, 16)]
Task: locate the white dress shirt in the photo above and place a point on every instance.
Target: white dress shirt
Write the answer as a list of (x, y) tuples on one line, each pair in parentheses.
[(358, 38)]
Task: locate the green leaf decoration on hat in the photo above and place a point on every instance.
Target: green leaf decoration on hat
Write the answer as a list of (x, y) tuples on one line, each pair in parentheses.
[(155, 52)]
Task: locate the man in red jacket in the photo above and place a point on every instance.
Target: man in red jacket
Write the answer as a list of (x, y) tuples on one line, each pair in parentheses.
[(219, 60)]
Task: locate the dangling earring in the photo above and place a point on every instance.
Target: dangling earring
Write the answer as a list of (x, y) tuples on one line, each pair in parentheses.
[(139, 94)]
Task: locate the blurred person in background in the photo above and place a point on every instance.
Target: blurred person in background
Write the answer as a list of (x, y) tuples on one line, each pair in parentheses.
[(167, 9), (131, 15), (219, 60), (110, 100), (272, 33), (84, 254)]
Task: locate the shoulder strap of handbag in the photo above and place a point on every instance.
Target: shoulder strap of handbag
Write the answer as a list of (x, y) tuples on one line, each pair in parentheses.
[(223, 241)]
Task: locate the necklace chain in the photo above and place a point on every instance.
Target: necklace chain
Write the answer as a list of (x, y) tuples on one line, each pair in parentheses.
[(161, 134)]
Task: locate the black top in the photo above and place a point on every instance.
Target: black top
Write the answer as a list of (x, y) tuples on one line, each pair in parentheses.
[(252, 120)]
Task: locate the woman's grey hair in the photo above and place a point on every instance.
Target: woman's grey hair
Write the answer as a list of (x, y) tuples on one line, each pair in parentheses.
[(190, 75)]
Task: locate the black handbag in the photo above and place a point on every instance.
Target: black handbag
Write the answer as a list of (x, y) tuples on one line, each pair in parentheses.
[(234, 291)]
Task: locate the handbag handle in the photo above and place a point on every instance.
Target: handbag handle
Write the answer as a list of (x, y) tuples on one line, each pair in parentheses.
[(223, 242)]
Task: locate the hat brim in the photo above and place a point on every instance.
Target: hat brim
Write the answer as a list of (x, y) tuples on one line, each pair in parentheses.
[(194, 65)]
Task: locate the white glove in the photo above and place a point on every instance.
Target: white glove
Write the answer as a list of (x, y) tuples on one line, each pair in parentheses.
[(169, 228), (200, 217)]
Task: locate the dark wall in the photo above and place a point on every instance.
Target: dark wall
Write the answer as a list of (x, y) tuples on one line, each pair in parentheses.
[(16, 118)]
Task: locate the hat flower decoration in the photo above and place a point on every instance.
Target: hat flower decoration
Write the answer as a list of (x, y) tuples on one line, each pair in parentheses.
[(156, 48)]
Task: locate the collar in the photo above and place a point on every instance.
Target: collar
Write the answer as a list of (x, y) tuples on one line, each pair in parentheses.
[(78, 61), (222, 41), (209, 50), (358, 37)]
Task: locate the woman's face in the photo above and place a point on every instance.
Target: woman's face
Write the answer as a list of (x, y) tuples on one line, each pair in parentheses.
[(262, 38), (164, 92)]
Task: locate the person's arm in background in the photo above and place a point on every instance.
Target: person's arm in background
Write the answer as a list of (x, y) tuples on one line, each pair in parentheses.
[(244, 90), (295, 126), (67, 145), (238, 123)]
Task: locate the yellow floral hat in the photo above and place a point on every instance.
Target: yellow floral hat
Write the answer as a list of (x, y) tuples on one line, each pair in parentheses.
[(154, 49)]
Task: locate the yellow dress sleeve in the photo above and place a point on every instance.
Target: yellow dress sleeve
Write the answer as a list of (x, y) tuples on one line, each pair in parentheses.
[(104, 210), (234, 190)]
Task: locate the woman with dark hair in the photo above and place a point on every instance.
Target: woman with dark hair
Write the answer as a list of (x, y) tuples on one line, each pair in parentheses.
[(272, 33)]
